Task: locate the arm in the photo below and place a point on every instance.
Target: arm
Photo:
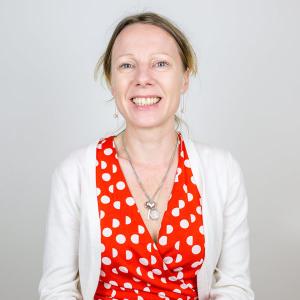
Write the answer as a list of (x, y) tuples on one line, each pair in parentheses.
[(60, 262), (232, 274)]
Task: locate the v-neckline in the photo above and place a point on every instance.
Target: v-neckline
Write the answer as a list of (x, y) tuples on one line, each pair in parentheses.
[(141, 221)]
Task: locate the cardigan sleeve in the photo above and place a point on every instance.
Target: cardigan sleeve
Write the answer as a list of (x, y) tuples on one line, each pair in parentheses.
[(232, 273), (60, 275)]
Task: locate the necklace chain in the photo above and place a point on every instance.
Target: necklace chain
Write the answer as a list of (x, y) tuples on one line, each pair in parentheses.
[(150, 204)]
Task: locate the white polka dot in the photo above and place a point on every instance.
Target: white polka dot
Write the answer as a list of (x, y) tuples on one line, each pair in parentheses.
[(163, 240), (146, 289), (177, 291), (190, 197), (102, 273), (102, 247), (184, 286), (193, 180), (184, 223), (140, 298), (114, 252), (113, 293), (197, 263), (161, 295), (199, 210), (128, 285), (129, 201), (106, 176), (149, 247), (178, 269), (153, 260), (123, 269), (114, 168), (107, 285), (114, 270), (129, 255), (201, 229), (168, 260), (135, 238), (178, 258), (127, 220), (120, 238), (138, 270), (97, 163), (169, 229), (136, 279), (157, 271), (111, 188), (98, 191), (154, 246), (105, 199), (184, 187), (189, 240), (112, 282), (177, 245), (117, 204), (115, 223), (150, 274), (175, 212), (106, 260), (144, 261), (102, 214), (172, 278), (141, 229), (181, 204), (193, 218), (120, 185), (108, 151), (163, 279), (103, 164), (187, 163), (107, 232), (196, 249)]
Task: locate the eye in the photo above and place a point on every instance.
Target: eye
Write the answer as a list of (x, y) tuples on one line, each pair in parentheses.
[(125, 66), (162, 63)]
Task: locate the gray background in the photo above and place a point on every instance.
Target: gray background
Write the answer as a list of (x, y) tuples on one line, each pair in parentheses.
[(244, 100)]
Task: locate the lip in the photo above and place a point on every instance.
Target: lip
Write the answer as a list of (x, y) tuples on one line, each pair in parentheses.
[(145, 96)]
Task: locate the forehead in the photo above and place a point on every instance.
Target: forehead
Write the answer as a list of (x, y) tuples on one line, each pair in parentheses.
[(144, 39)]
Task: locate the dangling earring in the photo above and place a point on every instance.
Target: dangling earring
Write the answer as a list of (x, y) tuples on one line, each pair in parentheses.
[(116, 115), (182, 108)]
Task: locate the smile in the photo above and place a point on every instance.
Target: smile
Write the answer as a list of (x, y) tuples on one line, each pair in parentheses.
[(143, 101)]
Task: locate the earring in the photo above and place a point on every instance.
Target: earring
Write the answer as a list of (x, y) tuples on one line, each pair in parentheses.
[(182, 108), (116, 115)]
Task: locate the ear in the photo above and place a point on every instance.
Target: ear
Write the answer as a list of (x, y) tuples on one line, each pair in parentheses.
[(186, 80)]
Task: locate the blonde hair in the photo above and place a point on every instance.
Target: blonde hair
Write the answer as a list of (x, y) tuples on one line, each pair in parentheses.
[(186, 51)]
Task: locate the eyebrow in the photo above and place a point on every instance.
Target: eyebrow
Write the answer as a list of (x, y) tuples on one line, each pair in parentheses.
[(154, 54)]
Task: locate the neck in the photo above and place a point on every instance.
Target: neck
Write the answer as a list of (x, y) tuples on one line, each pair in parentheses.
[(148, 146)]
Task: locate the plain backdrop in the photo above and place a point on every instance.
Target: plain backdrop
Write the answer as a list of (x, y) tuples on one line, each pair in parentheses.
[(245, 99)]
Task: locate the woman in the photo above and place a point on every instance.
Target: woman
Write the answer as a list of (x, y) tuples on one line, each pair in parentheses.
[(147, 213)]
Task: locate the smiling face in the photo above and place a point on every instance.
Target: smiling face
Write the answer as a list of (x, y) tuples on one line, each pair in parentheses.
[(146, 63)]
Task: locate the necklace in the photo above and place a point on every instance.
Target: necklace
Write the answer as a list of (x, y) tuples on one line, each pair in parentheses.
[(150, 204)]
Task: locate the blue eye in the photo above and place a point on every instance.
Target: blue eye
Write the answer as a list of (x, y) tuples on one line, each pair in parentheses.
[(125, 64), (162, 63)]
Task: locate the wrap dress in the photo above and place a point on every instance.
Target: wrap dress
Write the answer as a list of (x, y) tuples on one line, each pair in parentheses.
[(133, 266)]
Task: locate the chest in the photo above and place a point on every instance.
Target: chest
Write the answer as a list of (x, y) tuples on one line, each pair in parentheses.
[(151, 180)]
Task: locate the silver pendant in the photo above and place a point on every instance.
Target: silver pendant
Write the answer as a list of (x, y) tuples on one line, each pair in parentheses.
[(153, 214)]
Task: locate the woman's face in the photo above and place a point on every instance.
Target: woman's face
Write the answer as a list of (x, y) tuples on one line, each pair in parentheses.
[(146, 64)]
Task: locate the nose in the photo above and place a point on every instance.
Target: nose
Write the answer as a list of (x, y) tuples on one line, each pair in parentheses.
[(143, 76)]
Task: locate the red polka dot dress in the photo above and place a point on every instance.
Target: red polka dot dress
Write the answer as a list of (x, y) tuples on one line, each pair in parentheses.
[(133, 266)]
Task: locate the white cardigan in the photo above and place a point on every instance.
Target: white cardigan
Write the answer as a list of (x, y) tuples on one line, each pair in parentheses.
[(72, 261)]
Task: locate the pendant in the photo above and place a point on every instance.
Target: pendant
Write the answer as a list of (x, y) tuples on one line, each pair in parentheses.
[(153, 213)]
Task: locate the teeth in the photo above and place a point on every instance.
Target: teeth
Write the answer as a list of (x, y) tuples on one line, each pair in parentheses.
[(145, 101)]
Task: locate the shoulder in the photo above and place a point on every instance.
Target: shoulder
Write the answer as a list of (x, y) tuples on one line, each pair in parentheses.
[(218, 160), (77, 162)]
